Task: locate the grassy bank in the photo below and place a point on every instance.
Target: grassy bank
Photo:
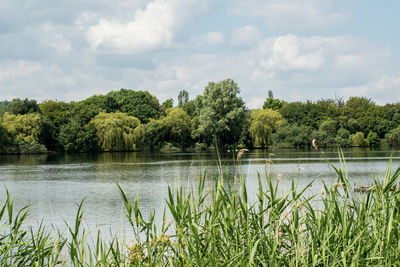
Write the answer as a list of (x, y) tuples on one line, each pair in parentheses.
[(217, 225)]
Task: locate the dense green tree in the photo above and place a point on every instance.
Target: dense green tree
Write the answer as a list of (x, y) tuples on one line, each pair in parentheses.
[(18, 106), (329, 126), (83, 112), (176, 127), (272, 103), (140, 104), (24, 128), (373, 139), (353, 126), (295, 112), (222, 112), (342, 138), (183, 98), (57, 112), (169, 103), (115, 131), (107, 103), (246, 141), (292, 136), (393, 138), (190, 108), (77, 138), (263, 123), (153, 133), (4, 138), (359, 140), (363, 110)]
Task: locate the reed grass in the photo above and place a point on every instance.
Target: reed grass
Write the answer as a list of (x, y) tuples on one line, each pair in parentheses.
[(220, 226)]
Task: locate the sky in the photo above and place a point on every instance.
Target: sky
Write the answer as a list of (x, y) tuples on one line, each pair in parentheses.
[(68, 50)]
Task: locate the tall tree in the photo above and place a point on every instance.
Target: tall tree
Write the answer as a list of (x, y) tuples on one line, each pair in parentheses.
[(183, 98), (221, 112), (18, 106), (140, 104)]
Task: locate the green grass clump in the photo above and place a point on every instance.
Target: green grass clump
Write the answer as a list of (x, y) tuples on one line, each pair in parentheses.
[(218, 226)]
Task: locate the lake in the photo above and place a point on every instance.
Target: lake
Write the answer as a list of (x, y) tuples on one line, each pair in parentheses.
[(53, 184)]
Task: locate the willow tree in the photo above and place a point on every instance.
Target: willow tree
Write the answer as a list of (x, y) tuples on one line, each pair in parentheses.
[(176, 126), (23, 128), (263, 123), (116, 131)]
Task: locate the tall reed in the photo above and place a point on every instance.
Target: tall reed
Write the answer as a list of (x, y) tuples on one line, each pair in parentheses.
[(220, 226)]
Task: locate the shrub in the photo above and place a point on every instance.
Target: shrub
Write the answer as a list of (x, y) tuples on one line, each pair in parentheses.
[(359, 140), (393, 138)]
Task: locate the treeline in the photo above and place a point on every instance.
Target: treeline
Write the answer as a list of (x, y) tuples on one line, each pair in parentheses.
[(127, 120)]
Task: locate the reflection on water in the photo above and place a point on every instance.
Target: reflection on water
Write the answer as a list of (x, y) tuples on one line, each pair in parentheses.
[(53, 184)]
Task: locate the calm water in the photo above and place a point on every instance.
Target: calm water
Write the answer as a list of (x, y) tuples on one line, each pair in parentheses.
[(53, 184)]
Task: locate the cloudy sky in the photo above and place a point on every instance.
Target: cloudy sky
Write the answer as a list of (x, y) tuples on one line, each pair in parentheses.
[(300, 49)]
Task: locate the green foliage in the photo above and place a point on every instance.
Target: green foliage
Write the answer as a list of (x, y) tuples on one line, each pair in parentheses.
[(363, 110), (393, 138), (18, 106), (4, 138), (30, 148), (221, 113), (115, 131), (373, 139), (176, 127), (342, 138), (353, 125), (270, 94), (263, 123), (83, 112), (359, 140), (140, 104), (190, 108), (292, 136), (329, 126), (153, 133), (104, 102), (23, 128), (57, 112), (246, 140), (272, 103), (77, 138), (183, 98), (169, 103)]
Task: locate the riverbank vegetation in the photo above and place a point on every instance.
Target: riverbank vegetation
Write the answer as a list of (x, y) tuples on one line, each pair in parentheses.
[(127, 120), (215, 223)]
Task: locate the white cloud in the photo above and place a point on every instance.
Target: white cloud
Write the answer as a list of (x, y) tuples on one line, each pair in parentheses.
[(152, 28), (30, 79), (385, 89), (295, 68), (214, 38), (245, 36), (55, 40), (291, 53), (290, 14)]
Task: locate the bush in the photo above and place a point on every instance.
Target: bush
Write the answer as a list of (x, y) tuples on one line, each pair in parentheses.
[(359, 140), (292, 136), (393, 138), (373, 139)]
